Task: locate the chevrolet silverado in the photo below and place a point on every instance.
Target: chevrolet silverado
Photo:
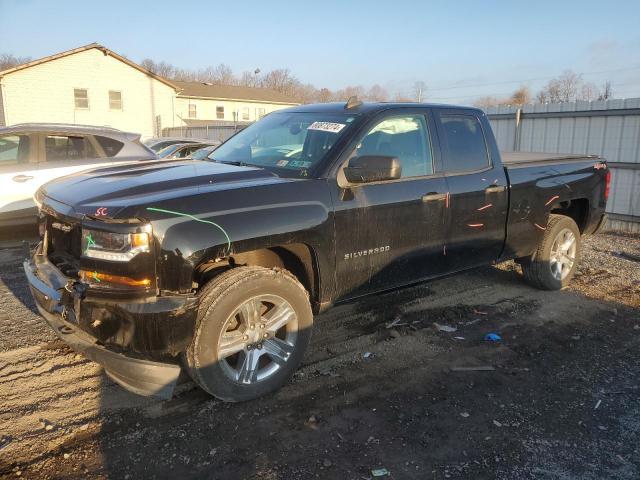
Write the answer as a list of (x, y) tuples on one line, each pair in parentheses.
[(217, 267)]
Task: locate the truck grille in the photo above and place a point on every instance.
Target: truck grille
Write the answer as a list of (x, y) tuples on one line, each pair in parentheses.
[(63, 244)]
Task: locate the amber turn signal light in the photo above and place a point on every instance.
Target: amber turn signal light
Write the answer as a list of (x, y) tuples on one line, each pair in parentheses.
[(99, 277)]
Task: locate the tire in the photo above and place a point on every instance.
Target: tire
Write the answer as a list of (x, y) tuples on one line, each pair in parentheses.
[(542, 269), (236, 362)]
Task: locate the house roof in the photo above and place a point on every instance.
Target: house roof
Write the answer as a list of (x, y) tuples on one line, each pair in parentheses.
[(232, 92), (84, 48)]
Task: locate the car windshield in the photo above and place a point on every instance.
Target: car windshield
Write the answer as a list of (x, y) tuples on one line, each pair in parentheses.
[(289, 143), (202, 154), (166, 151)]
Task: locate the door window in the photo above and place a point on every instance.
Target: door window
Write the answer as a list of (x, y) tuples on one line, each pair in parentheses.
[(403, 137), (67, 147), (464, 144), (13, 149)]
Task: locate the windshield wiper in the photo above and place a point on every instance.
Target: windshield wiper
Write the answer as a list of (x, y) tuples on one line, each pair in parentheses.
[(238, 163)]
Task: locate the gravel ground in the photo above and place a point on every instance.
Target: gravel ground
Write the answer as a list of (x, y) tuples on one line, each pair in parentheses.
[(560, 403)]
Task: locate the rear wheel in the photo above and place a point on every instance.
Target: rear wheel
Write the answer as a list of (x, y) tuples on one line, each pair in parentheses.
[(253, 327), (554, 262)]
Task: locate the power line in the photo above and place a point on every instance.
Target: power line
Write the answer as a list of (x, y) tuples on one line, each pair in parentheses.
[(613, 84), (506, 82)]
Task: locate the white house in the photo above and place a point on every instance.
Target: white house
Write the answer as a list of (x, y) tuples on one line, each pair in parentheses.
[(203, 103), (93, 85)]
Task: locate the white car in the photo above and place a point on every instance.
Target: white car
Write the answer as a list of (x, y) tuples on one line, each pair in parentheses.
[(35, 153)]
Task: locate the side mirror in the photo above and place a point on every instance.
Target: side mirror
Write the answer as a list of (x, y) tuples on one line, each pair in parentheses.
[(372, 168)]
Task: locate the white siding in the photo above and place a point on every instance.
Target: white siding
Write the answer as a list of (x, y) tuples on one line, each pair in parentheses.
[(206, 109), (44, 93)]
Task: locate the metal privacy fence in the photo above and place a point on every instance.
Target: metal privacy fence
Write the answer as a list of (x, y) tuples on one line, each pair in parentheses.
[(608, 128), (219, 131)]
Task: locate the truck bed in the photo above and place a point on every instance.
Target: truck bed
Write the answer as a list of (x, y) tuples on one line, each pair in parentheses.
[(517, 159)]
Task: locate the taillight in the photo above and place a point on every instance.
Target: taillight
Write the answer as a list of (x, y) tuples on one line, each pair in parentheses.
[(607, 184)]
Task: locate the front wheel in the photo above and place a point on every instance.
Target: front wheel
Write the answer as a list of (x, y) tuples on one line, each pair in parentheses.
[(554, 263), (253, 327)]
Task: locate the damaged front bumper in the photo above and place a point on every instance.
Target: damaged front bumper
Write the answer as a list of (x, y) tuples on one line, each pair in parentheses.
[(55, 297)]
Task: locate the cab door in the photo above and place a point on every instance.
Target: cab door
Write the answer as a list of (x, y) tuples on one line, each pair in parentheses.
[(477, 186), (390, 233)]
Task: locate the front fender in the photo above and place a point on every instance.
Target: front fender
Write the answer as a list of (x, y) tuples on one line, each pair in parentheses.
[(264, 217)]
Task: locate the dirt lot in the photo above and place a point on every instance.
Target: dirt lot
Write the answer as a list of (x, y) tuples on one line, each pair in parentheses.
[(561, 403)]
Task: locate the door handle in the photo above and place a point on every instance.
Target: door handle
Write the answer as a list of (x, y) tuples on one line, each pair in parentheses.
[(494, 189), (433, 196), (22, 178)]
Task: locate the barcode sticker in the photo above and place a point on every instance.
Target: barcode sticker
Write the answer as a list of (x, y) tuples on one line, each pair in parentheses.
[(327, 127)]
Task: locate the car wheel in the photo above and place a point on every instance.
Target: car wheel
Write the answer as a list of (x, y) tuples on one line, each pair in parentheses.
[(252, 329), (554, 262)]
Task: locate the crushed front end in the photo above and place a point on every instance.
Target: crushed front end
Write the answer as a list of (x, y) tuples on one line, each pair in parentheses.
[(94, 281)]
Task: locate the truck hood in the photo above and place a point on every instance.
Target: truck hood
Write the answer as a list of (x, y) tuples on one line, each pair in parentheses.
[(106, 192)]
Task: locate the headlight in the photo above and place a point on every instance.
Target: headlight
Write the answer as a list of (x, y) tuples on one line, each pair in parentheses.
[(115, 247)]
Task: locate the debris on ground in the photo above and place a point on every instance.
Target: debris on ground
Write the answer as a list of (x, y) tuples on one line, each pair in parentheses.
[(380, 472), (397, 322), (464, 415), (492, 337), (444, 328), (368, 354), (393, 333), (482, 368), (597, 404)]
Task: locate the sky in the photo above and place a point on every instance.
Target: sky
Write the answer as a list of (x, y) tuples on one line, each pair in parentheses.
[(461, 50)]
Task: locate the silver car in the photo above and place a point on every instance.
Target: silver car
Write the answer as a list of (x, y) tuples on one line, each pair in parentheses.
[(32, 154)]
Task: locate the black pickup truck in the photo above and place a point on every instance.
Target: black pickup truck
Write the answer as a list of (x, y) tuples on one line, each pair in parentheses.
[(217, 267)]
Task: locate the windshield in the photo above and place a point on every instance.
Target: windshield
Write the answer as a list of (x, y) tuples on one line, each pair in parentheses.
[(290, 143), (202, 153), (166, 151)]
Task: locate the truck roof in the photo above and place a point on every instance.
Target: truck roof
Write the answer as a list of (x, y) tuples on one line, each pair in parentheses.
[(369, 107)]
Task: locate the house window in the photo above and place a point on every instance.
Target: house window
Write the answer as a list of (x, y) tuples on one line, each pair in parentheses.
[(81, 98), (245, 113), (192, 110), (115, 100), (259, 112), (220, 113)]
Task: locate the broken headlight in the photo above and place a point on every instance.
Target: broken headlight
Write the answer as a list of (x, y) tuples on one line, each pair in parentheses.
[(115, 247)]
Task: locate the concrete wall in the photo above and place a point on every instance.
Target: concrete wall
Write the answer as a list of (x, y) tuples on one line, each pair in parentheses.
[(608, 128), (45, 93)]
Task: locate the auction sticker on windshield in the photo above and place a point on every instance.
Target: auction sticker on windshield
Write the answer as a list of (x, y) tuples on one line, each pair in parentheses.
[(327, 127)]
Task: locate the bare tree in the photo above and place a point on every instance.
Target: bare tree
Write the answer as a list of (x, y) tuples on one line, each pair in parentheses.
[(219, 75), (542, 96), (486, 102), (163, 69), (324, 95), (521, 96), (8, 61), (376, 93), (420, 89), (606, 91), (588, 92)]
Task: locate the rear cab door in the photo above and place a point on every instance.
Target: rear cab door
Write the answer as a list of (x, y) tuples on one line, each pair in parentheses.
[(478, 197)]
